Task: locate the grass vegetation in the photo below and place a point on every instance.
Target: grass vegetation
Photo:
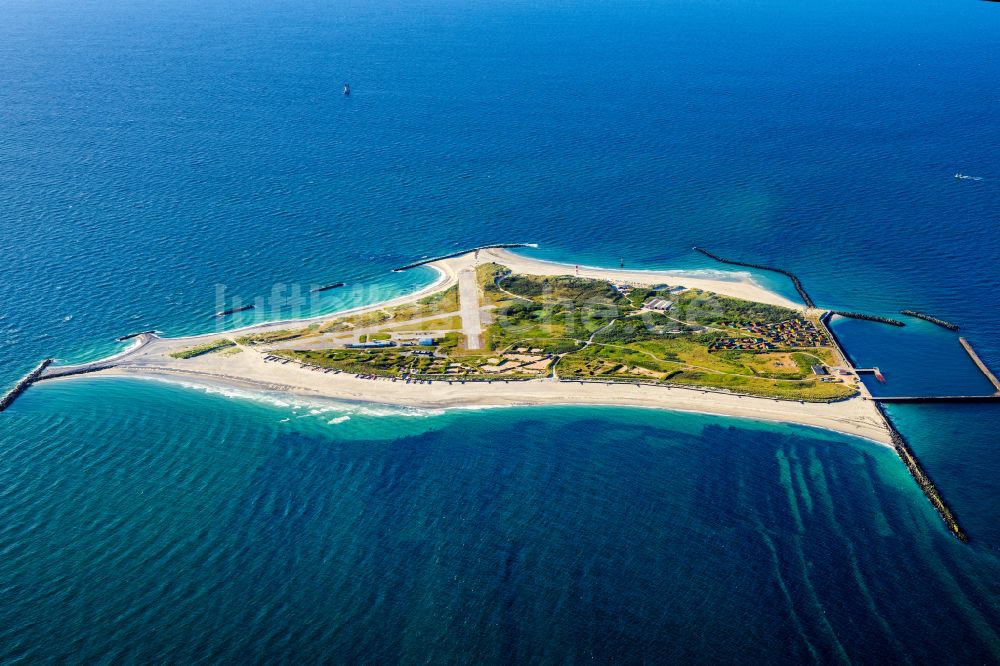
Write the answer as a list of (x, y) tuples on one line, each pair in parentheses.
[(392, 363), (278, 336), (440, 303), (428, 306), (440, 324), (207, 348), (595, 332), (706, 308)]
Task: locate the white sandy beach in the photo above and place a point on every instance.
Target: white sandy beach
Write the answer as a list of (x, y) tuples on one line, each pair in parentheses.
[(740, 286)]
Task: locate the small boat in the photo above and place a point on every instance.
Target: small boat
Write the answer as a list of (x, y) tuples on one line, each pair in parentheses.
[(347, 88), (962, 176)]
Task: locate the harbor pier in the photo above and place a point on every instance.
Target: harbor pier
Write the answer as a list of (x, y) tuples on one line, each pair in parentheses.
[(993, 397), (979, 364), (900, 445)]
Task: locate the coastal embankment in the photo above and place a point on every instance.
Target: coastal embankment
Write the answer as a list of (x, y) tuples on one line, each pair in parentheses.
[(934, 320), (806, 298), (10, 396), (824, 319)]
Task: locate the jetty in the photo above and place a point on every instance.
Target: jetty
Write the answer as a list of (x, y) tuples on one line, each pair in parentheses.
[(72, 370), (868, 317), (223, 313), (431, 260), (993, 397), (21, 386), (900, 445), (989, 397), (934, 320), (909, 458), (979, 363), (123, 338), (795, 280), (871, 371)]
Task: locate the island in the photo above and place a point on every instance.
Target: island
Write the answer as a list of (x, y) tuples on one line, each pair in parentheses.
[(498, 328)]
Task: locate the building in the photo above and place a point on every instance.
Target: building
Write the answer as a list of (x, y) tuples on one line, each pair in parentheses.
[(657, 304), (374, 344)]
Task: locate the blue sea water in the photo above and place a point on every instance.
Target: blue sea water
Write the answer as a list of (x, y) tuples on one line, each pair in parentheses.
[(159, 159)]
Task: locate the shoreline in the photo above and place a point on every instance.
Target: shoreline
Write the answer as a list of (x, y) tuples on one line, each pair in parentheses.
[(854, 417), (437, 285), (447, 275), (187, 380), (742, 285), (150, 355)]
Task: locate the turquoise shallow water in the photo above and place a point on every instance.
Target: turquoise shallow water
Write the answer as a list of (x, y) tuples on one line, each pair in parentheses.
[(283, 531), (163, 159)]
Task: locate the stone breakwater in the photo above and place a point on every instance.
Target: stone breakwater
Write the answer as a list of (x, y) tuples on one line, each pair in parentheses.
[(80, 370), (909, 459), (806, 298), (934, 320), (905, 453), (980, 364), (868, 317), (123, 338), (431, 260), (8, 398)]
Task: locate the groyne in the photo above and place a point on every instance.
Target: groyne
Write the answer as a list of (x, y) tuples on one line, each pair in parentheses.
[(226, 313), (868, 317), (10, 396), (909, 459), (934, 320), (77, 370), (123, 338), (794, 278), (326, 287), (979, 363), (431, 260)]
